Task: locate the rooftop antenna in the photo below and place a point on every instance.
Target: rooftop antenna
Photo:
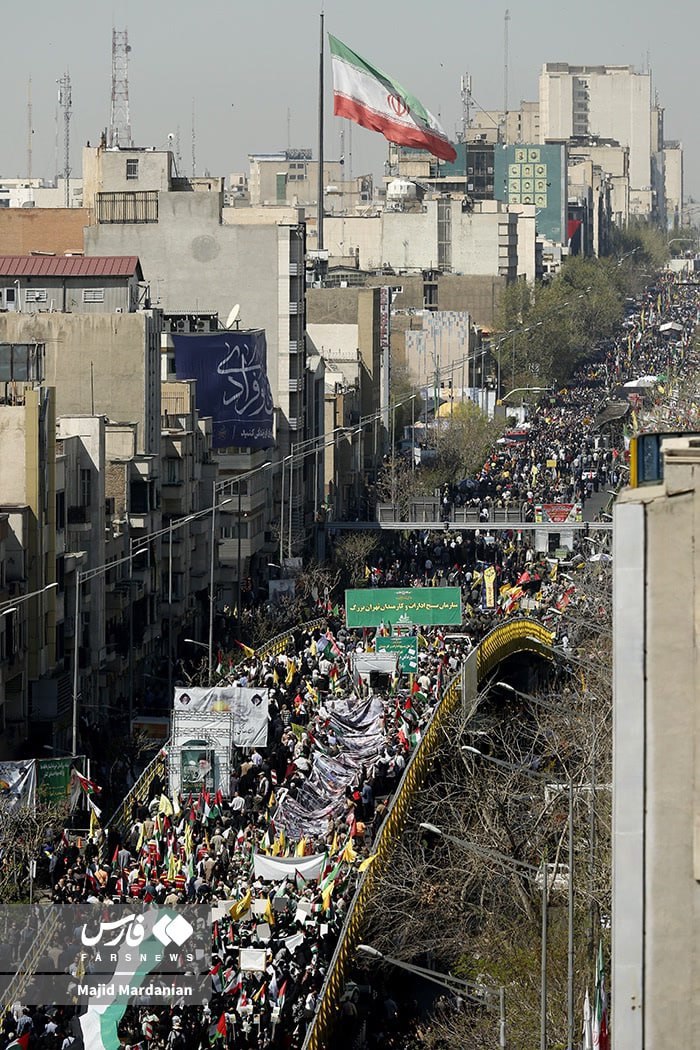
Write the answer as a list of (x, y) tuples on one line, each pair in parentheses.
[(30, 130), (178, 150), (119, 124), (194, 145), (506, 20), (65, 101), (466, 94)]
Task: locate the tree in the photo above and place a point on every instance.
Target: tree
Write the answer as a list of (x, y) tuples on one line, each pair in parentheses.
[(25, 830), (352, 553)]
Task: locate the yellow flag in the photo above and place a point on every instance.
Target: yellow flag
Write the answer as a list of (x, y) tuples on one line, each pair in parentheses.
[(326, 895), (250, 653), (313, 647), (275, 677), (177, 808), (188, 840), (241, 907), (348, 854), (366, 862), (165, 806), (94, 823), (301, 846), (139, 843), (334, 844), (268, 913), (291, 671)]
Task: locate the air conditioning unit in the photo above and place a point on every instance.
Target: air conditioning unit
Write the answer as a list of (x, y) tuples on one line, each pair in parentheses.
[(119, 309)]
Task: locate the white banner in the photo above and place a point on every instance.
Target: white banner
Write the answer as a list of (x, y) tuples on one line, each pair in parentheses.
[(247, 709), (274, 869), (17, 783)]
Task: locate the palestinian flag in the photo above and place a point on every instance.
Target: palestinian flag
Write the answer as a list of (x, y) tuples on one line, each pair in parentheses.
[(218, 1031), (20, 1043), (99, 1025)]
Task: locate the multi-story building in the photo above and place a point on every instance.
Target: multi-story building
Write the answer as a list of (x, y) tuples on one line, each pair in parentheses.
[(656, 749), (609, 102), (33, 634), (443, 234), (291, 177), (673, 175)]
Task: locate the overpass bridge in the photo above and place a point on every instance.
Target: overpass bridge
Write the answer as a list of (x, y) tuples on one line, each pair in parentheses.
[(515, 637)]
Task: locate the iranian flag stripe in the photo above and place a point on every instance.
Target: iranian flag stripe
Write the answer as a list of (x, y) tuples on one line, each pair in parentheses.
[(367, 96)]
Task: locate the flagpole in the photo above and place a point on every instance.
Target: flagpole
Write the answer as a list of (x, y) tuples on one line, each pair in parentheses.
[(319, 219)]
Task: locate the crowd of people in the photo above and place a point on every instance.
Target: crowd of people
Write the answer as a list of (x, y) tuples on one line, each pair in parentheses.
[(277, 852)]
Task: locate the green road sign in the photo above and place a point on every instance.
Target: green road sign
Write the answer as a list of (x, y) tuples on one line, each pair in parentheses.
[(407, 648), (419, 605)]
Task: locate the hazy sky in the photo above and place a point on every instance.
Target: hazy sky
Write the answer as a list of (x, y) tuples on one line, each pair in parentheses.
[(252, 68)]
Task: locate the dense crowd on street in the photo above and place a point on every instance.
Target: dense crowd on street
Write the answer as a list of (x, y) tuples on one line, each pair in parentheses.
[(278, 851)]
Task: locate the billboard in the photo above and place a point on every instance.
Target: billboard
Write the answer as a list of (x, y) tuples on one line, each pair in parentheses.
[(232, 385), (411, 605), (406, 647), (245, 708), (535, 175)]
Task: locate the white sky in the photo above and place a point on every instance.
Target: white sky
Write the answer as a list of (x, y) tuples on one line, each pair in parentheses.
[(247, 64)]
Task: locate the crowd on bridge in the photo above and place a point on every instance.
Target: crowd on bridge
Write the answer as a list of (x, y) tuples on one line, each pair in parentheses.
[(278, 851)]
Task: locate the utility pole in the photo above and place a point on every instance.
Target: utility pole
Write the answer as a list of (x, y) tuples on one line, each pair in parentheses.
[(30, 130), (194, 145), (506, 20), (319, 217), (466, 92), (119, 123), (65, 101)]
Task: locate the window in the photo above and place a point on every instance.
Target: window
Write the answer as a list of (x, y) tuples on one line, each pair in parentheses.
[(35, 295), (85, 487), (10, 295), (173, 471), (60, 510), (132, 168), (22, 362), (93, 295)]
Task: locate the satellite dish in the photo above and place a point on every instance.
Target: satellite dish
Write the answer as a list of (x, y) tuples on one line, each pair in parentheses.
[(233, 316)]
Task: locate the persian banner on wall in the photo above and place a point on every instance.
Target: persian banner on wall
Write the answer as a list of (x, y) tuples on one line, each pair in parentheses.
[(232, 385), (412, 605), (247, 709)]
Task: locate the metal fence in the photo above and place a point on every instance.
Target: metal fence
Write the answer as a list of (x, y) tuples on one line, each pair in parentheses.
[(520, 635)]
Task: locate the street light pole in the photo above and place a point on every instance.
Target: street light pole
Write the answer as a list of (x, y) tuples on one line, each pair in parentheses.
[(212, 561), (76, 654), (514, 865), (470, 990)]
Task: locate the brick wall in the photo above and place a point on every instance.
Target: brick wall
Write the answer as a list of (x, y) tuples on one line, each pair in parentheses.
[(57, 230)]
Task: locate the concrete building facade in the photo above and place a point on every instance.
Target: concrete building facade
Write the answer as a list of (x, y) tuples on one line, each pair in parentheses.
[(656, 776)]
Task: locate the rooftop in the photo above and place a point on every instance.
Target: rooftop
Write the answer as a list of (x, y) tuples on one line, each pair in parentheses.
[(69, 266)]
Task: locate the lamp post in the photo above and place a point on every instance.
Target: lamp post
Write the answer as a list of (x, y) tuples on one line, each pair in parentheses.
[(516, 866), (570, 849), (474, 992), (212, 566)]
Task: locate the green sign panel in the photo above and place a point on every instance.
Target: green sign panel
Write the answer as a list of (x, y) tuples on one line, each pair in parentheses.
[(53, 778), (413, 605), (407, 648)]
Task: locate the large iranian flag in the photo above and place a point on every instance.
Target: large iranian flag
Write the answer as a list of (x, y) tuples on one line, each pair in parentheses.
[(365, 94)]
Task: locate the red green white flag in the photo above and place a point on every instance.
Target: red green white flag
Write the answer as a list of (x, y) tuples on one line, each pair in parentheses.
[(369, 97)]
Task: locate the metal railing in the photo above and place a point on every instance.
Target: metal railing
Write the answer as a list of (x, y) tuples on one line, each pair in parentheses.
[(522, 635), (27, 967)]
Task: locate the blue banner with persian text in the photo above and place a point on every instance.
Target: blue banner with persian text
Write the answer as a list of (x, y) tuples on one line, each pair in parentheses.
[(232, 385)]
